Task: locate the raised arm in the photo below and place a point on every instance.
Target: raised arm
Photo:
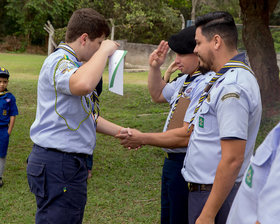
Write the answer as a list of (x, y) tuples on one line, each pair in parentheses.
[(173, 67), (155, 82), (86, 78)]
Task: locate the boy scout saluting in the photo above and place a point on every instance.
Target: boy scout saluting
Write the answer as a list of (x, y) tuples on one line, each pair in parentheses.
[(182, 95), (226, 122), (64, 131)]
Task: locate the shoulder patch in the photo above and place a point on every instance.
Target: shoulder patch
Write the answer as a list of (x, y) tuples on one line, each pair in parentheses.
[(65, 66), (229, 95)]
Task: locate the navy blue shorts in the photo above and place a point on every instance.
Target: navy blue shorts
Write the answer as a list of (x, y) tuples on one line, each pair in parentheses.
[(59, 182), (4, 141)]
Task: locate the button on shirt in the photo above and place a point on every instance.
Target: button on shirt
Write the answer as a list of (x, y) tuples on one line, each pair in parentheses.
[(231, 110), (66, 124), (193, 92), (259, 195)]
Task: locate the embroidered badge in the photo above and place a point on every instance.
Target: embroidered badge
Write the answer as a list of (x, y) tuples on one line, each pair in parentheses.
[(249, 176), (66, 66), (188, 90), (5, 112), (229, 95), (201, 122), (8, 100)]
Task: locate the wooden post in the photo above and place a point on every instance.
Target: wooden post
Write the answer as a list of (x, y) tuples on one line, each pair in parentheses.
[(51, 44)]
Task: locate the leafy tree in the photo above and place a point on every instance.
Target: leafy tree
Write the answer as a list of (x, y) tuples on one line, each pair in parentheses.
[(259, 44)]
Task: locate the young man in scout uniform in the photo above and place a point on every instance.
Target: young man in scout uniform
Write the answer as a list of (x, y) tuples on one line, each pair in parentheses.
[(182, 95), (64, 131), (257, 200), (226, 122)]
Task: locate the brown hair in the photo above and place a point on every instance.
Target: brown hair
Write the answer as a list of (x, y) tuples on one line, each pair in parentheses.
[(88, 21)]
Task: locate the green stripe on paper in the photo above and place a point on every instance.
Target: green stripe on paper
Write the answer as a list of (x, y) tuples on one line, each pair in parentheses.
[(115, 71)]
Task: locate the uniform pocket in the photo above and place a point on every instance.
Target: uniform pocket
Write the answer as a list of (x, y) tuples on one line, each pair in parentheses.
[(36, 178), (261, 156)]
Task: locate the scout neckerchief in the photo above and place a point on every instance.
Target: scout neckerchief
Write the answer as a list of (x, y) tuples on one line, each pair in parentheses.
[(188, 81), (93, 97), (3, 93), (237, 61)]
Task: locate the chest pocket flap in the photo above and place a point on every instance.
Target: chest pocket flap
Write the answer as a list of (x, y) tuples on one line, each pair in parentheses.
[(262, 155)]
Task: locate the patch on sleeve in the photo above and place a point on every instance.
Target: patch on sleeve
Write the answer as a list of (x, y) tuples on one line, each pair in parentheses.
[(229, 95), (65, 66)]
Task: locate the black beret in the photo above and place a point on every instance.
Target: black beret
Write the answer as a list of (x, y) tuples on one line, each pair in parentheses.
[(183, 42), (4, 73)]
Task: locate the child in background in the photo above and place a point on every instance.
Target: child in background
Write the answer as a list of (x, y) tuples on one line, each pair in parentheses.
[(8, 112)]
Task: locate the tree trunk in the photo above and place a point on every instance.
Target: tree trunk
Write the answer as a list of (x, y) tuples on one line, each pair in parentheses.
[(259, 44)]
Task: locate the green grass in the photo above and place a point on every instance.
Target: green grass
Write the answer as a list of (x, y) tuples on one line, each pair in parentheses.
[(125, 187)]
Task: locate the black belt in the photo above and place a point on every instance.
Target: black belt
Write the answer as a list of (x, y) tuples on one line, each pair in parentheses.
[(176, 156), (199, 187), (204, 187), (81, 155)]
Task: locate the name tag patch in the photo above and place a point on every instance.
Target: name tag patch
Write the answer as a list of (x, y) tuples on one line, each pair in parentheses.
[(229, 95), (201, 122), (249, 176)]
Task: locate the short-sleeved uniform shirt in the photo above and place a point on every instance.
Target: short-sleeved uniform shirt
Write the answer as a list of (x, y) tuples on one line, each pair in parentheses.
[(193, 92), (63, 121), (259, 194), (8, 108), (231, 110)]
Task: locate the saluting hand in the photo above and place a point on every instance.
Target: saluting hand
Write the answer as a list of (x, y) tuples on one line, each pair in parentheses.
[(158, 56)]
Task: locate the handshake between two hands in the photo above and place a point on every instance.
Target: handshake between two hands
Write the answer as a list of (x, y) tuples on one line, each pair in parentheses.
[(130, 138)]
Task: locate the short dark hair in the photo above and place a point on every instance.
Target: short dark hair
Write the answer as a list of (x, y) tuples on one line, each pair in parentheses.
[(86, 20), (221, 23)]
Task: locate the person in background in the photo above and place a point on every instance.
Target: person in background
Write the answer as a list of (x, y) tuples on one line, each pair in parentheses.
[(8, 112)]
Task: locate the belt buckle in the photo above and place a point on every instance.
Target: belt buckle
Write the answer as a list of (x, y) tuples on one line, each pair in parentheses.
[(190, 186)]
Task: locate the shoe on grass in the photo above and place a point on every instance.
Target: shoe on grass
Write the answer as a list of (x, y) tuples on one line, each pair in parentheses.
[(1, 182)]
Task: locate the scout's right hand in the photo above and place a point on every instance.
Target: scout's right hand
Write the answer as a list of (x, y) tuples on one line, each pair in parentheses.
[(158, 56), (109, 46)]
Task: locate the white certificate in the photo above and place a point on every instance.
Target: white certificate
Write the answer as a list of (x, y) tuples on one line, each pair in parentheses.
[(116, 66)]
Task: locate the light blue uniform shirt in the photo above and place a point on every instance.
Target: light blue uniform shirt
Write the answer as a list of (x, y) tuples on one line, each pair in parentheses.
[(259, 194), (232, 110), (193, 92), (51, 129)]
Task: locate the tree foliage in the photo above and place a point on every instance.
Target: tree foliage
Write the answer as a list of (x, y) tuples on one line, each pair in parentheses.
[(146, 21)]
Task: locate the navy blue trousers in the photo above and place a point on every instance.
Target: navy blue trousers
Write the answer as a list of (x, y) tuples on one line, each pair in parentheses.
[(197, 200), (174, 191), (59, 182)]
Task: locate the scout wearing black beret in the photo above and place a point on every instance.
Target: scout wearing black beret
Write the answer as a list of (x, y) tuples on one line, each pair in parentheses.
[(183, 42)]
